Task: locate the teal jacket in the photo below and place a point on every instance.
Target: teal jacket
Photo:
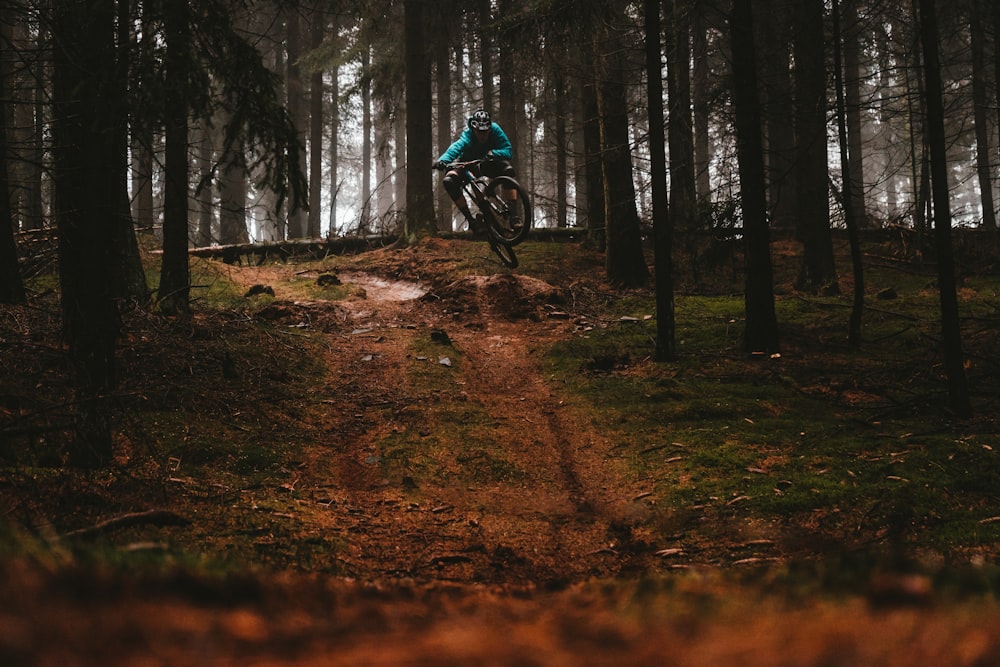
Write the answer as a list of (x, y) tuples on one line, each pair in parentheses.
[(466, 147)]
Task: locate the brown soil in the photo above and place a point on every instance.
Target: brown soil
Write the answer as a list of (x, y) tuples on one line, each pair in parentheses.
[(436, 573), (561, 521)]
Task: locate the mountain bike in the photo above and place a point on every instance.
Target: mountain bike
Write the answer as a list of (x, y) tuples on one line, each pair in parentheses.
[(503, 206)]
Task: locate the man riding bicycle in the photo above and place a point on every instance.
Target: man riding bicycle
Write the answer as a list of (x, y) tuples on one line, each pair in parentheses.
[(482, 139)]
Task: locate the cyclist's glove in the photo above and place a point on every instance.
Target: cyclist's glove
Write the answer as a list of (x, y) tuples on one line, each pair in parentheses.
[(439, 165)]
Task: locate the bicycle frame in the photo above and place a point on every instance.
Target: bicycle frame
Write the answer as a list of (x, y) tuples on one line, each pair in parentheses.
[(494, 212), (473, 184)]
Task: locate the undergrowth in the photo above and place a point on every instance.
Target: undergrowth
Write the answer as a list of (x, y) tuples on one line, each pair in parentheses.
[(836, 451), (847, 460)]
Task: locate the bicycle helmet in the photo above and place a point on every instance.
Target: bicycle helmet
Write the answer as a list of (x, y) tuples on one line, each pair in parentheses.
[(481, 120)]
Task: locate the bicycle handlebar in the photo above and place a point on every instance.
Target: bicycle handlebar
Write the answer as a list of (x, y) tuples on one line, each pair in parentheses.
[(448, 166)]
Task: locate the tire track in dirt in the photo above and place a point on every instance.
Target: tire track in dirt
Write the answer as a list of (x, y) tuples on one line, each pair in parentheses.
[(566, 516), (588, 509)]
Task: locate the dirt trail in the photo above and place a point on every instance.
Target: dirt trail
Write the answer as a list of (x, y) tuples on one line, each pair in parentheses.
[(566, 513), (482, 555)]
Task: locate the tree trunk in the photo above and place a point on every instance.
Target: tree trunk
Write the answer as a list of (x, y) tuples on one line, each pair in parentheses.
[(761, 333), (142, 182), (819, 272), (779, 112), (980, 101), (383, 160), (206, 195), (848, 165), (889, 143), (594, 214), (334, 146), (486, 52), (175, 279), (581, 212), (995, 12), (958, 390), (131, 275), (626, 265), (700, 101), (33, 216), (11, 287), (683, 212), (442, 57), (316, 132), (14, 32), (87, 119), (233, 200), (666, 348), (365, 215), (399, 127), (562, 148), (916, 111), (419, 139), (297, 219), (855, 185)]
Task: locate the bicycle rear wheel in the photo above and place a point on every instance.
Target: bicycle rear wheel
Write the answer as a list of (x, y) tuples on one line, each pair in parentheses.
[(508, 210), (504, 251)]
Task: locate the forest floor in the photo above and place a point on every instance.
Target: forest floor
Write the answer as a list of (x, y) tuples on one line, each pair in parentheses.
[(432, 496)]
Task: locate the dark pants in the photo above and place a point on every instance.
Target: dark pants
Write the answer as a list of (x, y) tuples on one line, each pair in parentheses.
[(491, 168)]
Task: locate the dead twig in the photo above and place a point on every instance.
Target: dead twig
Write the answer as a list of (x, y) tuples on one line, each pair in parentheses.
[(154, 517)]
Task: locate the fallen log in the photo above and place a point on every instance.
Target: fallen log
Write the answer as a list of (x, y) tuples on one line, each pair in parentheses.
[(258, 253)]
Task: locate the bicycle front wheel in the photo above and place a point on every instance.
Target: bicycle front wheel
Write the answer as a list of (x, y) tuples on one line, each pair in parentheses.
[(508, 210), (504, 251)]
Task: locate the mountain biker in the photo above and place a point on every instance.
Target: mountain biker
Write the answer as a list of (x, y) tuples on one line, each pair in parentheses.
[(482, 139)]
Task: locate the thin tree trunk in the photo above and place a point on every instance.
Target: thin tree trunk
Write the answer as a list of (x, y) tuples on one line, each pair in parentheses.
[(847, 166), (419, 139), (916, 112), (364, 220), (581, 208), (142, 182), (399, 127), (297, 220), (442, 52), (206, 196), (595, 214), (175, 280), (316, 131), (855, 185), (383, 160), (625, 263), (131, 278), (486, 53), (776, 26), (333, 148), (11, 287), (995, 12), (819, 272), (761, 333), (699, 95), (233, 203), (958, 391), (34, 214), (87, 118), (666, 348), (980, 102), (683, 212), (562, 147)]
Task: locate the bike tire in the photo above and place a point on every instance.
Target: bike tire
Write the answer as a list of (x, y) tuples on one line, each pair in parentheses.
[(499, 210), (504, 251)]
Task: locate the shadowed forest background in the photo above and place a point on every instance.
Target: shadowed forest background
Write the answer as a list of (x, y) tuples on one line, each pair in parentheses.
[(262, 390)]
